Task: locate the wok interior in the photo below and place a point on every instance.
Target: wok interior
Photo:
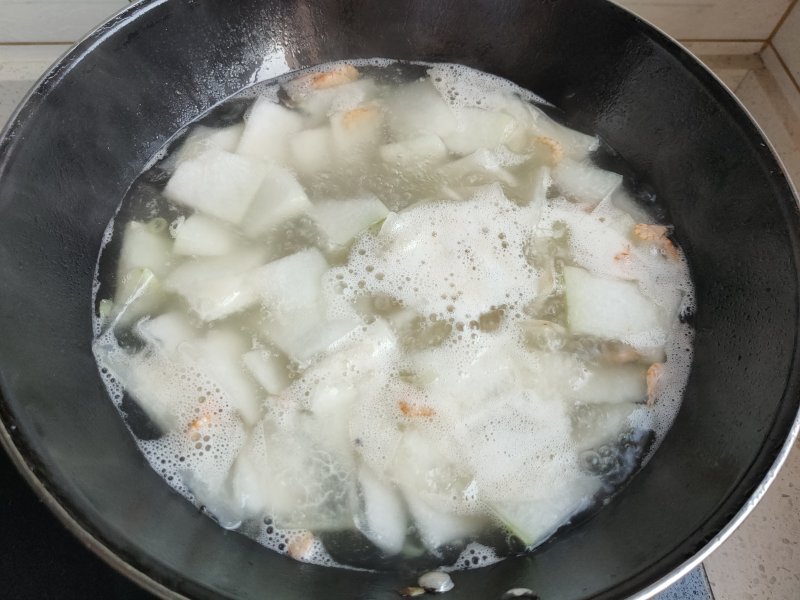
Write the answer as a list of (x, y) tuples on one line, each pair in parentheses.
[(93, 123)]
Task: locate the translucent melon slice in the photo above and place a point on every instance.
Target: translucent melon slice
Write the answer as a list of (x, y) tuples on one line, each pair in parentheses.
[(437, 528), (200, 235), (416, 109), (202, 139), (216, 287), (312, 151), (167, 332), (342, 220), (268, 368), (280, 198), (383, 520), (219, 356), (609, 308), (583, 181), (535, 519), (267, 129), (425, 149), (144, 247), (217, 183), (478, 128), (612, 384)]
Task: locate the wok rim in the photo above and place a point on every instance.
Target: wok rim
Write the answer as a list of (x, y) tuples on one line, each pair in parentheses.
[(80, 528)]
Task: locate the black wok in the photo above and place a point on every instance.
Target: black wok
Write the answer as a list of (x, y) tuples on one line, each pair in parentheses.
[(93, 121)]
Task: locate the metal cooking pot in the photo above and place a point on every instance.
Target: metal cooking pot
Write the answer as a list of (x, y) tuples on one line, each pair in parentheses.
[(94, 120)]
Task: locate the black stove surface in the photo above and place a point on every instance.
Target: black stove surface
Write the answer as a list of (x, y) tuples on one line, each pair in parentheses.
[(40, 559)]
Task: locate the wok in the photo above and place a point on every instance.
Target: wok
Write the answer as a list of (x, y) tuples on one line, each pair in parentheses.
[(93, 121)]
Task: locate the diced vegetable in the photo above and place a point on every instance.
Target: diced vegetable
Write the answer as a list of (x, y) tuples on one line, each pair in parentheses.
[(144, 248), (576, 145), (436, 527), (268, 368), (216, 287), (583, 181), (280, 198), (425, 149), (312, 150), (139, 292), (217, 183), (417, 109), (356, 132), (268, 126), (597, 424), (478, 128), (219, 355), (611, 384), (534, 519), (480, 167), (342, 220), (384, 520), (608, 308), (202, 139), (200, 235), (320, 104), (167, 332)]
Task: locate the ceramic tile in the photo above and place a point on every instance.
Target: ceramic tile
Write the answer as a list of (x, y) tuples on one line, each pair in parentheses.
[(20, 67), (786, 85), (52, 20), (693, 586), (711, 19), (731, 68), (787, 41), (762, 559)]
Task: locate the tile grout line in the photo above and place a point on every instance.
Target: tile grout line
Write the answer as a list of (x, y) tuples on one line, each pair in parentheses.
[(777, 27), (783, 64)]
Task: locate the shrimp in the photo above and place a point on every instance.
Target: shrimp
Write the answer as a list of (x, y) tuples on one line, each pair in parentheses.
[(658, 235), (654, 373)]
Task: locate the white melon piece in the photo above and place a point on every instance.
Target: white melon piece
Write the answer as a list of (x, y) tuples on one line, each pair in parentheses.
[(478, 128), (199, 235), (357, 132), (384, 521), (610, 308), (583, 181), (202, 139), (437, 528), (280, 198), (217, 183), (342, 220), (268, 368), (286, 475), (167, 332), (139, 292), (596, 424), (292, 282), (268, 127), (575, 144), (534, 519), (416, 109), (216, 287), (481, 167), (219, 356), (311, 150), (149, 382), (143, 247), (291, 292), (319, 104), (425, 149), (612, 384)]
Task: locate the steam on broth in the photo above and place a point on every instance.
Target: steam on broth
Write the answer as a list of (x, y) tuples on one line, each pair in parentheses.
[(389, 314)]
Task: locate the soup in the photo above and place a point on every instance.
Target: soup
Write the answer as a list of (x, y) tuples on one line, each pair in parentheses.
[(386, 315)]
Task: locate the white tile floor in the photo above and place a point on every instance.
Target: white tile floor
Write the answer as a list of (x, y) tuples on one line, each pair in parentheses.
[(762, 559)]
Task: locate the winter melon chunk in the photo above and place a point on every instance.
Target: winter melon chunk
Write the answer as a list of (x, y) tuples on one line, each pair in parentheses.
[(217, 183), (610, 308), (343, 220)]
